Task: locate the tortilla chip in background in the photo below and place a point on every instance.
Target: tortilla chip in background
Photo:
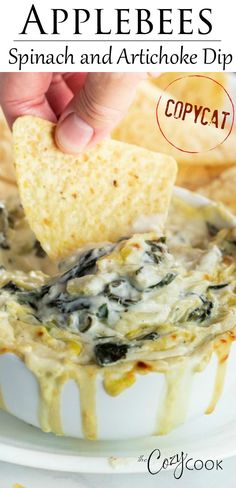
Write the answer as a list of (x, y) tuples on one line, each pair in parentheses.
[(93, 197), (192, 177), (222, 189), (7, 190), (188, 89), (139, 126), (7, 171)]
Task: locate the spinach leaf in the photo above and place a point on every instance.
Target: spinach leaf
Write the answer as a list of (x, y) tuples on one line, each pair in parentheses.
[(110, 352), (52, 292), (203, 312), (151, 336), (66, 304), (85, 264), (122, 292), (85, 323), (102, 312), (165, 281), (157, 249), (217, 287), (12, 287)]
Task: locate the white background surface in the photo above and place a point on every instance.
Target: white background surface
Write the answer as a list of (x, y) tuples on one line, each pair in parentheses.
[(34, 478)]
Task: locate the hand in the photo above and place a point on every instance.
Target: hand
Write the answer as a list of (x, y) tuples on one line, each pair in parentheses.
[(85, 106)]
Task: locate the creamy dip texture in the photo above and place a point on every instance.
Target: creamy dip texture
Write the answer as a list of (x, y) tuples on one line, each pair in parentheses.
[(146, 303)]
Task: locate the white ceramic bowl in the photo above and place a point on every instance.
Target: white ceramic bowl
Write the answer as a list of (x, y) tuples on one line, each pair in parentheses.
[(133, 413)]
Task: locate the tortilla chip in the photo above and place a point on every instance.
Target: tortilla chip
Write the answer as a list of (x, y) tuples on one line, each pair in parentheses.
[(192, 177), (222, 189), (93, 197), (188, 89), (7, 171), (139, 126)]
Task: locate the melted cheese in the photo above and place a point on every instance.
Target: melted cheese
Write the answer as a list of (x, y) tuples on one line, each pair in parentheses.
[(2, 402), (153, 306)]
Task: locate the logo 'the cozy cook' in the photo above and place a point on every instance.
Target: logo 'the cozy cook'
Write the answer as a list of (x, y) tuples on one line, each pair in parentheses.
[(197, 116)]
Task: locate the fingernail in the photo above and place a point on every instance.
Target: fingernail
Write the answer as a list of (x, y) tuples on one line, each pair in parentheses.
[(73, 134)]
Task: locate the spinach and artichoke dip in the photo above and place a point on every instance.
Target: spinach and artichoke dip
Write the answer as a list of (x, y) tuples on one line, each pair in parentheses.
[(145, 303)]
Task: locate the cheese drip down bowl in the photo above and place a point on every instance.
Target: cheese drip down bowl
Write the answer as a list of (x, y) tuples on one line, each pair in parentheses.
[(146, 391)]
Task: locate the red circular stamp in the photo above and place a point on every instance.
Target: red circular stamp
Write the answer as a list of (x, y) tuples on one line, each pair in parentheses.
[(195, 113)]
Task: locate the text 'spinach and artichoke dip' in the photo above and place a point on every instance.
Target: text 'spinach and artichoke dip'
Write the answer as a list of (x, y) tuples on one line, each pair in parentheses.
[(150, 302)]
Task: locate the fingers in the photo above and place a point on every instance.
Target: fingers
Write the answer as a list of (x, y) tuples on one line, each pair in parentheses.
[(95, 109), (99, 102), (59, 94), (75, 81), (24, 94)]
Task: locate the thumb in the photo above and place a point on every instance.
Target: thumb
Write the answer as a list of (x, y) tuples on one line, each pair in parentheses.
[(95, 109)]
